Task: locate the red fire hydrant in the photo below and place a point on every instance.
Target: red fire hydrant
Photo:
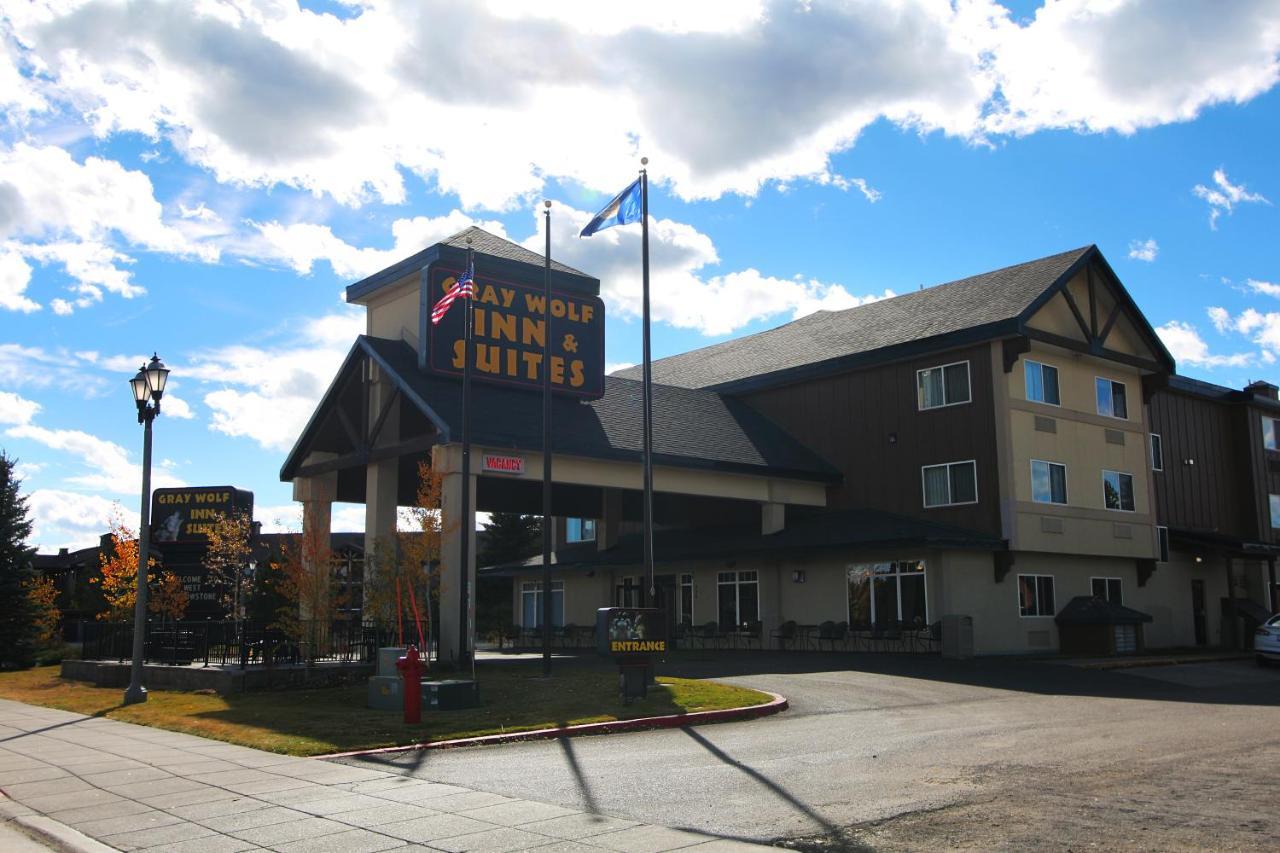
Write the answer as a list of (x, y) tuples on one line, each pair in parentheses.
[(410, 667)]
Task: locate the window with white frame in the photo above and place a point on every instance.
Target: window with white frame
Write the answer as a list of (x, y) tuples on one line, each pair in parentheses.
[(945, 385), (1035, 595), (630, 593), (738, 595), (1108, 589), (1270, 433), (531, 604), (1162, 543), (686, 599), (1117, 491), (579, 530), (884, 593), (1042, 383), (1275, 510), (1048, 482), (950, 484), (1157, 452), (1112, 398)]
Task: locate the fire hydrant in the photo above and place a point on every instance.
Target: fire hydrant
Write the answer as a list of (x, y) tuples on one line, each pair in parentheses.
[(410, 667)]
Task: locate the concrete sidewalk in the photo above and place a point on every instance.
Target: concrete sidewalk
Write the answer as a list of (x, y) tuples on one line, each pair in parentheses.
[(134, 787)]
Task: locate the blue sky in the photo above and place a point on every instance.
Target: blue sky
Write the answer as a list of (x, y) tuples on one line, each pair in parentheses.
[(202, 180)]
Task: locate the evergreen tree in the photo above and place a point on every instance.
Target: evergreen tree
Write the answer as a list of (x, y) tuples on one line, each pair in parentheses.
[(18, 617), (507, 537)]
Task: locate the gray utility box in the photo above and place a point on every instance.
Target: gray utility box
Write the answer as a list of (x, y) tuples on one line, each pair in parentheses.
[(386, 689), (957, 637)]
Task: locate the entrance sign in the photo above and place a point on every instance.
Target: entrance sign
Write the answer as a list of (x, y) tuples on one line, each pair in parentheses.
[(185, 516), (629, 633), (494, 463), (510, 324)]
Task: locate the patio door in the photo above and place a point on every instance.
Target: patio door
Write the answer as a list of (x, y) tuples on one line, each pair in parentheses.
[(667, 599), (1198, 613)]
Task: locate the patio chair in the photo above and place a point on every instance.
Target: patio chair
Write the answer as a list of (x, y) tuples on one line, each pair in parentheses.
[(750, 633), (784, 633), (709, 633), (567, 635), (832, 633)]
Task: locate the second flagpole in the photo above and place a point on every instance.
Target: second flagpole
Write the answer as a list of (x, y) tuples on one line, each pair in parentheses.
[(647, 390), (468, 523), (546, 449)]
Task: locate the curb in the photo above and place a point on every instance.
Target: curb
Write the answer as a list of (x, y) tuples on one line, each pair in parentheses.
[(56, 835), (1152, 662), (670, 721)]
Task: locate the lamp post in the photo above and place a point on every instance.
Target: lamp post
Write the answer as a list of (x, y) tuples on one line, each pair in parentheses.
[(148, 388)]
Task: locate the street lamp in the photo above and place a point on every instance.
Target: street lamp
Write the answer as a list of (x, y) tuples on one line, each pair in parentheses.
[(148, 388)]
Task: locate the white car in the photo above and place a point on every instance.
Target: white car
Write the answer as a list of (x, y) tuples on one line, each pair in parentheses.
[(1266, 641)]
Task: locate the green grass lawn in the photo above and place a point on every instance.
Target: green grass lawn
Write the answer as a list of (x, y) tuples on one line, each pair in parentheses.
[(314, 722)]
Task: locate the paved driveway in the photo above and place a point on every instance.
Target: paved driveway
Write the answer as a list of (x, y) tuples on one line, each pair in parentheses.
[(1051, 754)]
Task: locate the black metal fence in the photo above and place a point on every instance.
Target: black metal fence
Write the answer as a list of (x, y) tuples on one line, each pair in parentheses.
[(243, 644)]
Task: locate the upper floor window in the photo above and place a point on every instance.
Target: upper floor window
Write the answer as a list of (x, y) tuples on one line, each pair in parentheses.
[(945, 385), (1042, 383), (952, 483), (1162, 543), (1275, 510), (579, 529), (1157, 452), (1269, 433), (1108, 589), (1117, 490), (1111, 398), (1048, 482)]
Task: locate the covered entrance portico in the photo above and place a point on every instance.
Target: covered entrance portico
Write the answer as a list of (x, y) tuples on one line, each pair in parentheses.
[(716, 462)]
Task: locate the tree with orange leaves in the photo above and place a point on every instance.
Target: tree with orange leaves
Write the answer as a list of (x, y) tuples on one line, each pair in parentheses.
[(303, 572), (118, 573), (42, 593), (168, 597)]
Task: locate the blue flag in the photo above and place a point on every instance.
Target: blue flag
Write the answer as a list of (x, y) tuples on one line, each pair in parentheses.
[(624, 208)]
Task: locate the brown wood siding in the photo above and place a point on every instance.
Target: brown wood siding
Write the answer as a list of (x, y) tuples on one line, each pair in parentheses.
[(848, 420), (1214, 494)]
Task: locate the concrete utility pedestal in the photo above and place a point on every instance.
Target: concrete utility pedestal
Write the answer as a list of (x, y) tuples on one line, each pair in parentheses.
[(386, 692)]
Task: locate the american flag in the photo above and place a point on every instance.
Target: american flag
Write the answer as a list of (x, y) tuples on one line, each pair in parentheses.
[(465, 287)]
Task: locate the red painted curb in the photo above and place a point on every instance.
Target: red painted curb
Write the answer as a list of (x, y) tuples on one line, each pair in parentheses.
[(669, 721)]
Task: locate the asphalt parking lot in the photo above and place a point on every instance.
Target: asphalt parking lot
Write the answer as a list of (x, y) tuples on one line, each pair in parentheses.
[(903, 752)]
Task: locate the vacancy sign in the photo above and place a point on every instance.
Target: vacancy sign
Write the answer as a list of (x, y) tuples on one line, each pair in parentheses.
[(497, 464)]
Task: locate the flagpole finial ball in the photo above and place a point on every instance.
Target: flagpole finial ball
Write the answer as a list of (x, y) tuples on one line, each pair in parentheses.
[(547, 204), (644, 161), (468, 241)]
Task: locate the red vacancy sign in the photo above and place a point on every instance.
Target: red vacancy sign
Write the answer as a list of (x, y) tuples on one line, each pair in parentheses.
[(496, 464)]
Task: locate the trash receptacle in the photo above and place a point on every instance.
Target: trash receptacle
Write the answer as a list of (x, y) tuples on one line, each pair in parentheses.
[(957, 636)]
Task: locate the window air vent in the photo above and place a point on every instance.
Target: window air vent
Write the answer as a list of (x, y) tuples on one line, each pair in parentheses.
[(1046, 424), (1115, 436), (1051, 525), (1124, 531)]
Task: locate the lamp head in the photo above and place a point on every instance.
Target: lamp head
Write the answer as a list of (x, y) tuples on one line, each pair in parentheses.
[(157, 377), (139, 385)]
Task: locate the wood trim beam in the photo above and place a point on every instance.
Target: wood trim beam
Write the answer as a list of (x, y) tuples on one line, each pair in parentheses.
[(1093, 303), (382, 415), (360, 458), (1111, 321), (1100, 351), (1075, 310), (1012, 349)]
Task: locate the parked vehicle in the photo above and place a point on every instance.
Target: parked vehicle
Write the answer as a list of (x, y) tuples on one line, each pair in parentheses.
[(1266, 641)]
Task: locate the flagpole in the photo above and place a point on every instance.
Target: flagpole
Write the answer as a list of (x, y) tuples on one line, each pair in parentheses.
[(546, 449), (647, 383), (464, 631)]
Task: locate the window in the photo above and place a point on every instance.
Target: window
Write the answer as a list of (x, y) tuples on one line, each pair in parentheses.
[(1162, 544), (686, 599), (1275, 510), (1048, 482), (580, 530), (630, 593), (1111, 398), (1042, 383), (531, 604), (1035, 595), (1157, 452), (1117, 490), (739, 599), (949, 484), (1108, 589), (947, 385), (1269, 433), (883, 593)]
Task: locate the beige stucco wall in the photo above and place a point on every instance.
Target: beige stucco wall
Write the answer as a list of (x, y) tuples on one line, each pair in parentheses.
[(393, 313), (1080, 443)]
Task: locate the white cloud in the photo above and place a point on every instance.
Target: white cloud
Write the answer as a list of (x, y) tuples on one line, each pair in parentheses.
[(615, 366), (1224, 196), (722, 97), (106, 464), (35, 367), (54, 210), (1185, 345), (268, 393), (1220, 317), (1264, 287), (62, 519), (1143, 250), (176, 407), (16, 410)]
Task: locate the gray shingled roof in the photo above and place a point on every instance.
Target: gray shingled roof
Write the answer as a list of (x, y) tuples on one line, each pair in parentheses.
[(490, 244), (979, 300), (691, 428)]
